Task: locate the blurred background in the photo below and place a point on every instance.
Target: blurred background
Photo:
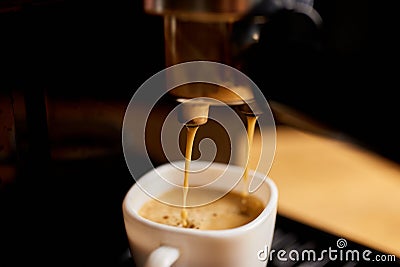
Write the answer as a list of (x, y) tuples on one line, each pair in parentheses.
[(69, 69)]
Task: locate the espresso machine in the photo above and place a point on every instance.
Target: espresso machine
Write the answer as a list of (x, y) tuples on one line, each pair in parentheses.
[(218, 31), (226, 33)]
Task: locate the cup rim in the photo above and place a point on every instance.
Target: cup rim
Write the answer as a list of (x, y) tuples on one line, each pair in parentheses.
[(264, 215)]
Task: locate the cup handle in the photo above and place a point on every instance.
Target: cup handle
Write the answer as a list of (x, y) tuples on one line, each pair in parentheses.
[(163, 256)]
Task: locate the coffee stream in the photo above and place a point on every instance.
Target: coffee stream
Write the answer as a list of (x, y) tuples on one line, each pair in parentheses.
[(191, 133), (251, 125)]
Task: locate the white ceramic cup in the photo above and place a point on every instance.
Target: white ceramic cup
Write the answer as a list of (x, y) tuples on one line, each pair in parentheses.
[(157, 245)]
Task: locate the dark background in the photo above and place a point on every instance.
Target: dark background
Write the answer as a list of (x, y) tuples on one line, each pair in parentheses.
[(77, 64)]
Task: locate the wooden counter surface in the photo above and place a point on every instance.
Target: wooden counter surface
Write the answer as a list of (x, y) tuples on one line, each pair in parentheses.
[(338, 187)]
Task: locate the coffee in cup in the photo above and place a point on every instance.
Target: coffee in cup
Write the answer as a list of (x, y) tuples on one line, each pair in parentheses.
[(225, 213), (157, 244)]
